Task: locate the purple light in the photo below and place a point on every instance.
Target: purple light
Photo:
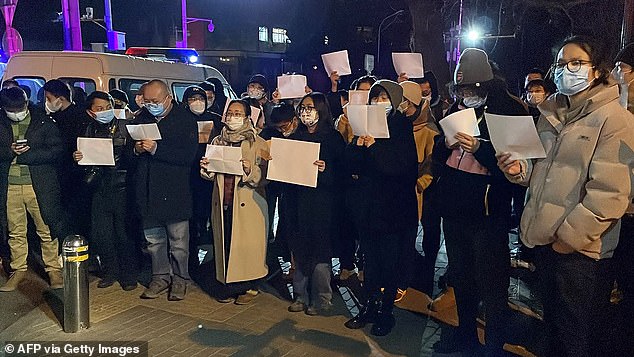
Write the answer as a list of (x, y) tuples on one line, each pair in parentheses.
[(211, 26)]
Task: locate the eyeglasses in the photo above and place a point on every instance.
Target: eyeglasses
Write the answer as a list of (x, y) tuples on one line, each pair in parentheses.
[(572, 65), (285, 127), (306, 109)]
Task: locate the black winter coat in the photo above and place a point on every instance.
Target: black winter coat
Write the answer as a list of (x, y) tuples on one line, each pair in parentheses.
[(162, 180), (391, 168), (310, 212), (462, 194), (43, 157)]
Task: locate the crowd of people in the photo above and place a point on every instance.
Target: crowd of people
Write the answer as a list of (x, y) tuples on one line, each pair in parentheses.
[(575, 205)]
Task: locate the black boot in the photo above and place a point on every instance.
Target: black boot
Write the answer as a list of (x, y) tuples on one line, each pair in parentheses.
[(366, 315), (383, 324)]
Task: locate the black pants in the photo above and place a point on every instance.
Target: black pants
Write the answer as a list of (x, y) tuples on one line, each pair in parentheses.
[(478, 253), (110, 234), (624, 269), (355, 226), (576, 295), (383, 252), (431, 241)]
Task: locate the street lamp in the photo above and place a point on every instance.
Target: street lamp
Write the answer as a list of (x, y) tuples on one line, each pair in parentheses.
[(188, 20), (378, 40)]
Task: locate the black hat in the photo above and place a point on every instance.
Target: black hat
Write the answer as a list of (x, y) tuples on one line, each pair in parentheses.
[(261, 80), (119, 95), (626, 55), (209, 87), (192, 91)]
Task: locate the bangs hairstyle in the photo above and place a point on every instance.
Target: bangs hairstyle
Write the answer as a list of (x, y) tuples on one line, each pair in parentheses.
[(323, 111), (58, 89), (597, 53), (98, 95), (245, 105)]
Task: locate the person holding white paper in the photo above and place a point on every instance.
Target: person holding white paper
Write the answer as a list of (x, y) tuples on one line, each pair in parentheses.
[(162, 189), (475, 204), (342, 124), (578, 195), (311, 211), (239, 215), (388, 213), (425, 130), (195, 101), (109, 188)]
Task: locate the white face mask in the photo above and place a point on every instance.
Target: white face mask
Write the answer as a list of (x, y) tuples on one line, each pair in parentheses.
[(19, 116), (234, 122), (54, 106), (474, 102), (535, 99), (309, 119), (197, 107), (571, 83), (119, 113), (255, 93)]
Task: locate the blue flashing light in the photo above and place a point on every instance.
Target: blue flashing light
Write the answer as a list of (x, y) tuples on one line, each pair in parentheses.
[(193, 59)]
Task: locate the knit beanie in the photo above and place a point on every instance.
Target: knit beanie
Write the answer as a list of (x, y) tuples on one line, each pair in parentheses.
[(473, 67)]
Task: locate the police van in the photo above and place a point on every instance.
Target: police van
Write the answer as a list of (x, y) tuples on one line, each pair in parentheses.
[(104, 71)]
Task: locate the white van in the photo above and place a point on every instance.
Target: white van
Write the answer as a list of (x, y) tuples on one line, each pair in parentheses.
[(104, 71)]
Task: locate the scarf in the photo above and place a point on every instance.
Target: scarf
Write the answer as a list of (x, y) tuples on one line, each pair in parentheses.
[(228, 137)]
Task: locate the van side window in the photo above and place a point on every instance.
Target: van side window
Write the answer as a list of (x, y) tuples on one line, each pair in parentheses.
[(36, 84), (179, 89), (131, 87), (80, 86)]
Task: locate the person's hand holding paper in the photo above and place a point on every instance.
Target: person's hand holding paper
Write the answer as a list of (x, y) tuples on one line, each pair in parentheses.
[(291, 86), (337, 62), (463, 121), (515, 135), (409, 65), (225, 159)]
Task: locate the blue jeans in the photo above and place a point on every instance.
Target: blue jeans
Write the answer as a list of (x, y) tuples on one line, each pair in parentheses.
[(319, 280), (172, 263)]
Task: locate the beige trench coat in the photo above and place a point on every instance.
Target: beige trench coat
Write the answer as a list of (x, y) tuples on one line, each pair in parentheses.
[(247, 253)]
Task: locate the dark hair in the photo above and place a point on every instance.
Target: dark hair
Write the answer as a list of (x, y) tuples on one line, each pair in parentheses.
[(207, 87), (58, 89), (192, 91), (282, 112), (365, 79), (343, 94), (245, 104), (597, 53), (10, 82), (323, 111), (12, 98), (79, 96), (119, 95), (90, 100)]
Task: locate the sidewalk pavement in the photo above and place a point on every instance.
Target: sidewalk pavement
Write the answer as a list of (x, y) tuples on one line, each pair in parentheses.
[(201, 326)]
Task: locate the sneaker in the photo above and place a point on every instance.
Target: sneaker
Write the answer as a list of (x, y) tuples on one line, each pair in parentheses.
[(14, 280), (177, 290), (56, 279), (400, 294), (106, 283), (312, 311), (297, 306), (345, 274), (226, 300), (247, 297), (157, 287), (128, 285)]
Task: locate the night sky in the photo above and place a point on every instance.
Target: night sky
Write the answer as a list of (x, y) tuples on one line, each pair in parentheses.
[(147, 22)]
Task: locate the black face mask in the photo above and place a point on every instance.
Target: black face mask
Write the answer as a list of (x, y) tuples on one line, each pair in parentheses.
[(416, 114)]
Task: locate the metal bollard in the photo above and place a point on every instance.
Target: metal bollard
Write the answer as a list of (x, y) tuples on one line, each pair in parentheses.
[(76, 305)]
